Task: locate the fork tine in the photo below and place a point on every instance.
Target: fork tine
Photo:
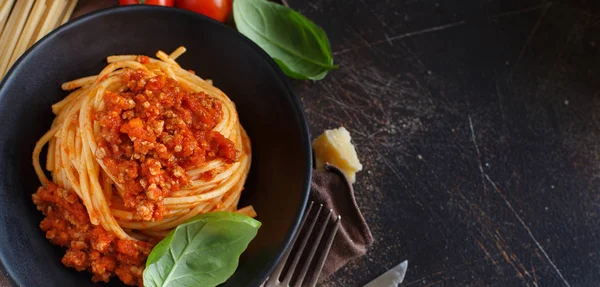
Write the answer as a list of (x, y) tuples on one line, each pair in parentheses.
[(314, 248), (321, 261), (274, 277), (292, 268)]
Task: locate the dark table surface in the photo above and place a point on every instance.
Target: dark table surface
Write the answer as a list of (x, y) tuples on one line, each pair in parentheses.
[(478, 124)]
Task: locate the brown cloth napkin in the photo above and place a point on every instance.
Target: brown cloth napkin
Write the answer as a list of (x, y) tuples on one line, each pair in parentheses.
[(3, 281), (332, 188)]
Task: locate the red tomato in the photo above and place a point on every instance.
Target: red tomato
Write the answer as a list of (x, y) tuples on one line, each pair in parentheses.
[(149, 2), (216, 9)]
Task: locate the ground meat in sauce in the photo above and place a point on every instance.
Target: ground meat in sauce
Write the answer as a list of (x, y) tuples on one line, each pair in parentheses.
[(89, 247), (152, 132)]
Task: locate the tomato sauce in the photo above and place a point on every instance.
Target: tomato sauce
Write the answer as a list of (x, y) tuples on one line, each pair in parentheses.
[(152, 133), (89, 247)]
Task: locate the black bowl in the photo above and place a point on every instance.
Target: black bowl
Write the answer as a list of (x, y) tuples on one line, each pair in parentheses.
[(280, 175)]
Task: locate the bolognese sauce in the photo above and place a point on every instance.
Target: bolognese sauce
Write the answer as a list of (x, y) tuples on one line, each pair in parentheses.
[(89, 247), (151, 133)]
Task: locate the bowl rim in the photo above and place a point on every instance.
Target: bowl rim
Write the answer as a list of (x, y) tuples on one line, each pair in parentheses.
[(297, 106)]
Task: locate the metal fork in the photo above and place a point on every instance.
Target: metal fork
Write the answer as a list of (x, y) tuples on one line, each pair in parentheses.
[(273, 280)]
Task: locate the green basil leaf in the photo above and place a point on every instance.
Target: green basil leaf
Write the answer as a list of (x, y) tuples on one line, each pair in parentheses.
[(204, 251), (160, 249), (297, 45)]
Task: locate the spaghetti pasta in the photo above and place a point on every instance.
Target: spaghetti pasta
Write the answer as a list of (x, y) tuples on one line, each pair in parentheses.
[(143, 146)]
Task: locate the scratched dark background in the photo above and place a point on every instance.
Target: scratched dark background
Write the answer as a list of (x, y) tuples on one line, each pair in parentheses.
[(478, 124)]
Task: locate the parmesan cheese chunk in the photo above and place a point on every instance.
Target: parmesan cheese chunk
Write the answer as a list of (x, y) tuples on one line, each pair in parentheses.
[(335, 147)]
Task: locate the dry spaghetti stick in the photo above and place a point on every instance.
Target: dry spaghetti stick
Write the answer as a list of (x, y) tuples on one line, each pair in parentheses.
[(9, 37), (32, 21), (50, 6), (52, 23), (5, 8), (58, 16), (68, 12), (49, 20)]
